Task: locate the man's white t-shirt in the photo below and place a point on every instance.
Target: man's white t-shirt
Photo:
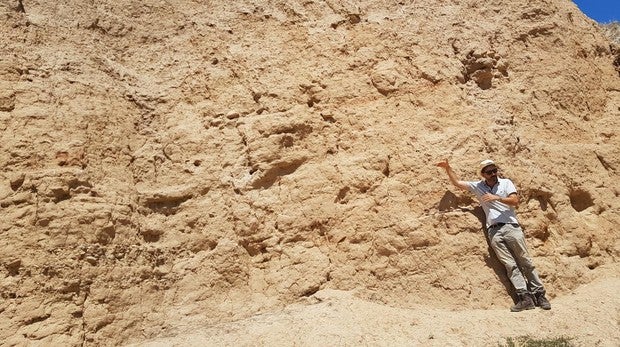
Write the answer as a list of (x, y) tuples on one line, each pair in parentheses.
[(495, 211)]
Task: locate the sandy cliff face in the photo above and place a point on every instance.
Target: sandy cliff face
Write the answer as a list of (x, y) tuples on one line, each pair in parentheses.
[(183, 160)]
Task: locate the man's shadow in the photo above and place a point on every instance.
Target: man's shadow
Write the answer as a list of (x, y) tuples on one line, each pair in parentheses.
[(451, 202)]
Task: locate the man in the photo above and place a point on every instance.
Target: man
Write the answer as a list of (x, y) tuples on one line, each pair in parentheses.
[(498, 198)]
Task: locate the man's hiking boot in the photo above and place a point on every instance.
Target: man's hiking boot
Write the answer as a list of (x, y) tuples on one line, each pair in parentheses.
[(525, 303), (541, 301)]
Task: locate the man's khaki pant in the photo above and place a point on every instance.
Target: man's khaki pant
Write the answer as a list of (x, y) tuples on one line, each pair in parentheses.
[(508, 242)]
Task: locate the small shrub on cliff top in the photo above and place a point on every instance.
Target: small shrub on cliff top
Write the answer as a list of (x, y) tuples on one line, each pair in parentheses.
[(526, 341)]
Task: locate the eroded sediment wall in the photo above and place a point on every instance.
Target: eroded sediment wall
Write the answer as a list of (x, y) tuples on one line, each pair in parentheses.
[(208, 160)]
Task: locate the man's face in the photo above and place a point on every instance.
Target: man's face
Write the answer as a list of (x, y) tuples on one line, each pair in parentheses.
[(490, 172)]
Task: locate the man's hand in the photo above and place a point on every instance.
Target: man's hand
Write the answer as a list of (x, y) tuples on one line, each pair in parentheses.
[(511, 200), (488, 197), (451, 175), (444, 164)]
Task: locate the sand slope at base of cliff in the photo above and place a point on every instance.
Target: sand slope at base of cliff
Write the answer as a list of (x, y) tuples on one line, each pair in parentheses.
[(589, 316)]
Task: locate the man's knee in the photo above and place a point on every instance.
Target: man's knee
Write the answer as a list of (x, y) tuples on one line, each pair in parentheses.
[(527, 264), (496, 243), (511, 267)]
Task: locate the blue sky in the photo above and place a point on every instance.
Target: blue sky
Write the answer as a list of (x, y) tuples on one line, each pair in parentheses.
[(602, 11)]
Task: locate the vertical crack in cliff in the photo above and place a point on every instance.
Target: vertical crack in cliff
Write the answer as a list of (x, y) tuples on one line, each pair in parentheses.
[(82, 319), (604, 162), (20, 6), (36, 205)]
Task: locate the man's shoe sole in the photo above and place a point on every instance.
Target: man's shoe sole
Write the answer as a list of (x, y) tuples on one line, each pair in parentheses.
[(523, 309)]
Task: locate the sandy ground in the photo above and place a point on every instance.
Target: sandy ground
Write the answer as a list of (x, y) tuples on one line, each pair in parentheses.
[(590, 316)]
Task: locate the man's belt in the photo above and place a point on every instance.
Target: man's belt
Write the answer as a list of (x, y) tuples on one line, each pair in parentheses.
[(499, 225)]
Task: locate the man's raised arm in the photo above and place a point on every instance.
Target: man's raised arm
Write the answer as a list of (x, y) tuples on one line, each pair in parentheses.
[(451, 175)]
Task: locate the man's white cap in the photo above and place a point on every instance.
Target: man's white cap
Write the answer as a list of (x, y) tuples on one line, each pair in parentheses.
[(486, 163)]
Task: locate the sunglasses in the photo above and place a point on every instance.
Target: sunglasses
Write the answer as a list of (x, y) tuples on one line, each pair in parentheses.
[(489, 172)]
